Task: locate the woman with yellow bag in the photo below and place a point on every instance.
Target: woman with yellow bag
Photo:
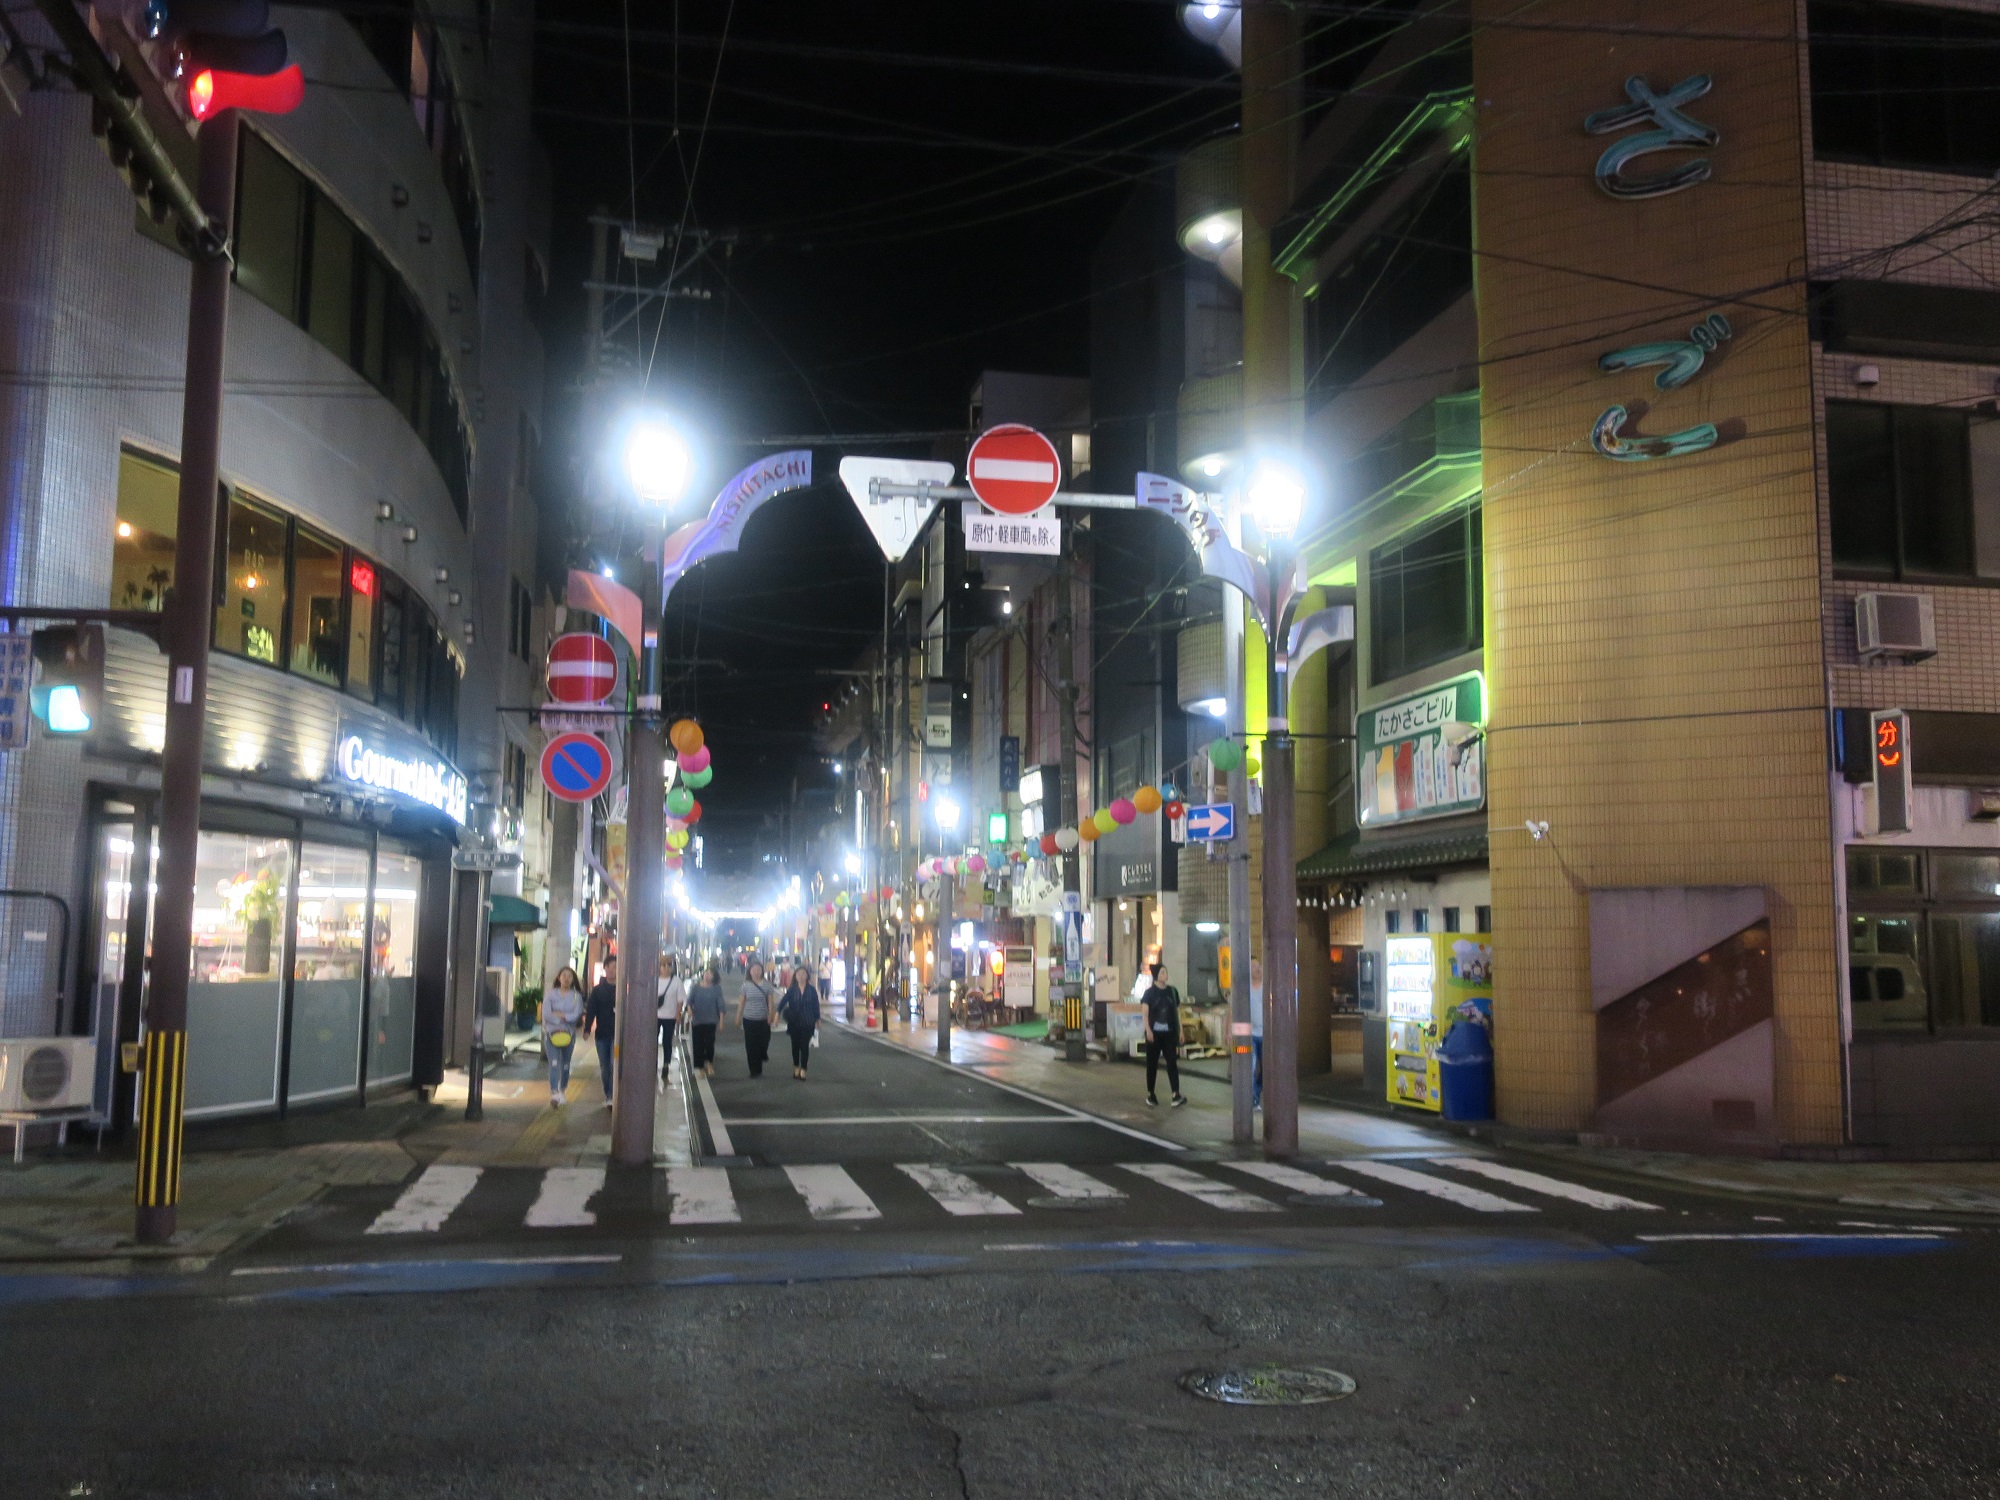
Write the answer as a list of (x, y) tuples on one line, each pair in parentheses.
[(562, 1013)]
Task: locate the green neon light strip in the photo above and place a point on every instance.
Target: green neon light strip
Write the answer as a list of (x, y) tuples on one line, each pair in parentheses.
[(1437, 113)]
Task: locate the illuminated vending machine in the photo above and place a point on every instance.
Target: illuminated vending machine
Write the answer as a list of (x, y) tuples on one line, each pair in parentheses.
[(1427, 976)]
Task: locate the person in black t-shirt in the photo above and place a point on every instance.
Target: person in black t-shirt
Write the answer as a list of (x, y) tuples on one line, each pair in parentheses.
[(1163, 1035), (600, 1020)]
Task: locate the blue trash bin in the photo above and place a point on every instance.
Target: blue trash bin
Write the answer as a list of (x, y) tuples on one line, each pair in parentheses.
[(1465, 1073)]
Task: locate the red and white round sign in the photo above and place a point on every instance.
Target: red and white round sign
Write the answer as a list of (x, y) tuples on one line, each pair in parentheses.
[(582, 668), (1013, 469)]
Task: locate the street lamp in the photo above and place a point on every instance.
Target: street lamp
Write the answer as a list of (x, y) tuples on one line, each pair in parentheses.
[(1276, 496), (658, 461)]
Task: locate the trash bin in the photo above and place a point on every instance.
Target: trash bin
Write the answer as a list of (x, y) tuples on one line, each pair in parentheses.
[(1465, 1073)]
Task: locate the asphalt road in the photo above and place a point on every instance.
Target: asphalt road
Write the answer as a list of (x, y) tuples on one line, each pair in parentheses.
[(1699, 1346)]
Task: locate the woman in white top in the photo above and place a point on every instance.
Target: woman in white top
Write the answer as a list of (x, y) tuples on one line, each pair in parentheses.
[(673, 998)]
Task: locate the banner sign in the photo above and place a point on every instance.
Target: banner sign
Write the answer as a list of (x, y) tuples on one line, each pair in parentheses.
[(1040, 534), (1405, 766), (721, 530), (418, 776)]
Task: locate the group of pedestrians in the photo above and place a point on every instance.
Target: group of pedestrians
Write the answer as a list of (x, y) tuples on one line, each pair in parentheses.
[(568, 1013)]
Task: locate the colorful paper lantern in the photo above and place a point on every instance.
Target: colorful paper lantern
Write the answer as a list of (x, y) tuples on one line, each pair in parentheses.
[(1252, 765), (1087, 830), (1176, 809), (1048, 844), (1225, 755), (1104, 820), (693, 814), (680, 801), (696, 759), (696, 779), (677, 838), (1067, 839), (1123, 810), (1147, 799), (841, 899), (686, 737), (977, 864), (1169, 792)]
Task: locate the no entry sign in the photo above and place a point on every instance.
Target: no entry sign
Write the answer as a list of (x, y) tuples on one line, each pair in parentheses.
[(576, 767), (1013, 469), (582, 668)]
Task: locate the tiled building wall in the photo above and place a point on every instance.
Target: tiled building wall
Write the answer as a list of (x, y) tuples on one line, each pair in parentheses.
[(1653, 635)]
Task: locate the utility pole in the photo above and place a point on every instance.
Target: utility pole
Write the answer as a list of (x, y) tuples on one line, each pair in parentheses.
[(1272, 413), (1072, 860), (1243, 1060), (163, 1060), (642, 918)]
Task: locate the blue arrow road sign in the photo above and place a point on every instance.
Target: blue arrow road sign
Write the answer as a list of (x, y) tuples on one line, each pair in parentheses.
[(1214, 822)]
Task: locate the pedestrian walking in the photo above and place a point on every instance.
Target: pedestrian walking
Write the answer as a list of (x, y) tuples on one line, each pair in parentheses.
[(704, 1012), (562, 1013), (800, 1010), (1256, 1033), (600, 1022), (673, 1000), (753, 1014), (1163, 1035)]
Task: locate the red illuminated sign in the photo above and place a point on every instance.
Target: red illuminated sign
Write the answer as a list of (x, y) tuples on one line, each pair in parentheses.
[(1888, 742), (362, 577)]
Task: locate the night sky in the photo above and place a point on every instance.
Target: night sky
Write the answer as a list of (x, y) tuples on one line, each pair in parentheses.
[(916, 192)]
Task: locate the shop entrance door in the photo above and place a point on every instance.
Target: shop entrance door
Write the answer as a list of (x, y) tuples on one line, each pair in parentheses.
[(329, 959)]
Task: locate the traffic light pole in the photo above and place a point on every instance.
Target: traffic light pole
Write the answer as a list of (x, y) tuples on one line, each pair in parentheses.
[(163, 1056)]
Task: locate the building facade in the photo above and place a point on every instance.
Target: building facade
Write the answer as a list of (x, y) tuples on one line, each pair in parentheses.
[(382, 395)]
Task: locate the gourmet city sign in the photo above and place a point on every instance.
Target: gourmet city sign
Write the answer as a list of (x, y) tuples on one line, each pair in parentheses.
[(421, 778)]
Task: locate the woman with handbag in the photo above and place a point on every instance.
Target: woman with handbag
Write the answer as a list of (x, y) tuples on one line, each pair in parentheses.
[(753, 1014), (800, 1008), (562, 1013)]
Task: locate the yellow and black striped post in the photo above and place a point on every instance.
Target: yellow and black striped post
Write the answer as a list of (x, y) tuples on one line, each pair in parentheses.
[(162, 1077)]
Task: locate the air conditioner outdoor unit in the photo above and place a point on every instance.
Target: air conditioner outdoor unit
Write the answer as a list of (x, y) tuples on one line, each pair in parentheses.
[(46, 1073), (1894, 627)]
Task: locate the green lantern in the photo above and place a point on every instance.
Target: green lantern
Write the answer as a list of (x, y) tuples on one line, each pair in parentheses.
[(698, 779), (1225, 755), (680, 801), (1103, 819)]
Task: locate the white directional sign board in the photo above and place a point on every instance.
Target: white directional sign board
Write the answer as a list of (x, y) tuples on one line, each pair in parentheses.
[(895, 522), (1040, 533), (1212, 822)]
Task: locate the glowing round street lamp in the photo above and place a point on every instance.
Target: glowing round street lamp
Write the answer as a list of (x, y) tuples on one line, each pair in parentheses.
[(947, 812), (1276, 496), (657, 461), (853, 863)]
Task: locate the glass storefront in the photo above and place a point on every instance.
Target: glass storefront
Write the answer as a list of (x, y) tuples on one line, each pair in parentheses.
[(1923, 939), (329, 952), (236, 989), (392, 991)]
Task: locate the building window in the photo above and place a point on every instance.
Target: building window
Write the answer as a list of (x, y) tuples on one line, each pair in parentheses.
[(1425, 597), (300, 254), (520, 621), (363, 584), (1898, 86), (1420, 919), (408, 44), (1482, 919), (516, 777), (250, 620), (389, 650), (1451, 919), (1923, 939), (1914, 491), (142, 545), (319, 577), (1392, 921)]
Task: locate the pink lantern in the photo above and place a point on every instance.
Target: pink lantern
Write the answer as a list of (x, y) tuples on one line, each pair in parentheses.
[(696, 760), (1123, 810), (976, 864)]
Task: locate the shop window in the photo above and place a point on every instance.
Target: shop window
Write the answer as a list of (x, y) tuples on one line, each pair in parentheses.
[(270, 217), (1425, 597), (142, 544), (319, 575), (250, 621), (1896, 85), (235, 988), (392, 987), (1885, 980), (364, 585), (329, 951), (1914, 491), (1923, 939)]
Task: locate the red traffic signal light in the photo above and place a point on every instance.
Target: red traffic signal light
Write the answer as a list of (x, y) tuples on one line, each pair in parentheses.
[(212, 90)]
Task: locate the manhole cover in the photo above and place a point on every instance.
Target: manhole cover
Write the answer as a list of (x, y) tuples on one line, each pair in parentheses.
[(1268, 1385)]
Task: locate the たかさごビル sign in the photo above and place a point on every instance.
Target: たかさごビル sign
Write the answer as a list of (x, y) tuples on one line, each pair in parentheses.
[(1405, 768)]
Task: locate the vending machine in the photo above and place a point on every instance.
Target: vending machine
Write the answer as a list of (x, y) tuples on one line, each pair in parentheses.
[(1426, 977)]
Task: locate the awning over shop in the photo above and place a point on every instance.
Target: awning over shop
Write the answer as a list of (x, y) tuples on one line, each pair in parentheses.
[(512, 911), (1349, 856)]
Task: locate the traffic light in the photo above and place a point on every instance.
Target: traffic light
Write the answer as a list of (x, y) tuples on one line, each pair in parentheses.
[(226, 54), (70, 659)]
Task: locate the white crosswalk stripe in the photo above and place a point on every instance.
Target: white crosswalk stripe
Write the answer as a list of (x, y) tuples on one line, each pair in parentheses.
[(702, 1195), (1206, 1189), (1476, 1199), (1294, 1180), (831, 1194), (954, 1191), (423, 1206), (1068, 1182), (1535, 1182), (565, 1194)]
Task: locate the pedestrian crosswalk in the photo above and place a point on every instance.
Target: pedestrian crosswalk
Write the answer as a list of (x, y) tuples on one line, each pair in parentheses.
[(915, 1192)]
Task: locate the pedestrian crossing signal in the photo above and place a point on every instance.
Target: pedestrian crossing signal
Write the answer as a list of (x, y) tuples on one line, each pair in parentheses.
[(70, 663)]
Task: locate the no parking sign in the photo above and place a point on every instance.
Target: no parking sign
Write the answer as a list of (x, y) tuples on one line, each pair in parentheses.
[(576, 767)]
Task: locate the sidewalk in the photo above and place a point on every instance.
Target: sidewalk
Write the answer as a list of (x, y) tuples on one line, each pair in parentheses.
[(1117, 1091), (240, 1179)]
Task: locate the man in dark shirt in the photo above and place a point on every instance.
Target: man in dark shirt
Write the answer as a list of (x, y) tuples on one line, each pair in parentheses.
[(1163, 1035), (600, 1020)]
